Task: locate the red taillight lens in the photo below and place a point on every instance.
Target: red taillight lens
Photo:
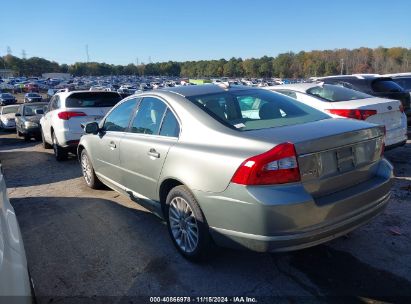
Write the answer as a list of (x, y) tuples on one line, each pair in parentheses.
[(66, 115), (277, 166), (401, 108), (355, 113)]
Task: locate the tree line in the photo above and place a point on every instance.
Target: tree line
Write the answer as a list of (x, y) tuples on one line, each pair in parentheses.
[(286, 65)]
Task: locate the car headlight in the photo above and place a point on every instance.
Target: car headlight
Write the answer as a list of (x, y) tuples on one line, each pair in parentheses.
[(30, 124), (5, 120)]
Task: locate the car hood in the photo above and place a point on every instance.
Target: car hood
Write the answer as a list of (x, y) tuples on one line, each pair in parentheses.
[(8, 116), (33, 118)]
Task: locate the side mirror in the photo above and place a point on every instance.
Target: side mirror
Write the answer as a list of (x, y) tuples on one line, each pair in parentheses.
[(91, 128), (17, 114), (39, 111)]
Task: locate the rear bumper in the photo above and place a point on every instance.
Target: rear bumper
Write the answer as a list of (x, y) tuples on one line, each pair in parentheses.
[(286, 217), (261, 243), (67, 139)]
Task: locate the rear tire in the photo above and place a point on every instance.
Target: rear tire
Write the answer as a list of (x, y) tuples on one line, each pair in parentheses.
[(59, 152), (19, 134), (46, 145), (89, 175), (187, 225)]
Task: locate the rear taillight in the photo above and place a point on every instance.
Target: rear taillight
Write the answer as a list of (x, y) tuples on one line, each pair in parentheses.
[(277, 166), (66, 115), (354, 113), (401, 108)]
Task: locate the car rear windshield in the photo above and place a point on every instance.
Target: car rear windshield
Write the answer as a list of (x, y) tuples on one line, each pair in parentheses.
[(335, 93), (383, 85), (92, 100), (6, 95), (256, 109), (33, 95), (405, 83)]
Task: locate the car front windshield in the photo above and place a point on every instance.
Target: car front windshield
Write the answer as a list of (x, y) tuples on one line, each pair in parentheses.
[(335, 93), (30, 110), (9, 110), (255, 109)]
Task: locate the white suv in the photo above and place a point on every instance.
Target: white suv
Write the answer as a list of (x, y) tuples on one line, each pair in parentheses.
[(66, 112)]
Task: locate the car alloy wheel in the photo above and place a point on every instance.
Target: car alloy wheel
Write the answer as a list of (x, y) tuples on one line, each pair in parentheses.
[(86, 168), (183, 225)]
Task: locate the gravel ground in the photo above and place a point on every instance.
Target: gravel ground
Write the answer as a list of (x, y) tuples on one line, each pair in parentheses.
[(102, 246)]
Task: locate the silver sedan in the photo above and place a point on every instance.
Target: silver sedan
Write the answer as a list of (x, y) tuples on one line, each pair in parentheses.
[(239, 167)]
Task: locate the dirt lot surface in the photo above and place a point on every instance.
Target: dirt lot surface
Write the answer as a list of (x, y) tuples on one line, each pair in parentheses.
[(102, 246)]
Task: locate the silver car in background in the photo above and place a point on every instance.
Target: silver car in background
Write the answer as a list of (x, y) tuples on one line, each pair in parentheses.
[(239, 167), (14, 277)]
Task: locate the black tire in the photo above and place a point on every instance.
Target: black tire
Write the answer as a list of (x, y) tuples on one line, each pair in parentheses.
[(59, 152), (26, 137), (204, 243), (90, 177), (45, 144), (19, 134)]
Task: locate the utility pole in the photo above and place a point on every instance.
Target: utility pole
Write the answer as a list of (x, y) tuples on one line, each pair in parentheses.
[(342, 65), (87, 55), (9, 50), (23, 54), (149, 59)]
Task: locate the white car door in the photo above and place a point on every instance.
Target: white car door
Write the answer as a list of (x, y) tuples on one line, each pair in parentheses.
[(46, 120)]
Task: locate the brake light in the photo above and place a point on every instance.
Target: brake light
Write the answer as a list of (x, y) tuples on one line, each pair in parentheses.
[(354, 113), (277, 166), (66, 115), (401, 108)]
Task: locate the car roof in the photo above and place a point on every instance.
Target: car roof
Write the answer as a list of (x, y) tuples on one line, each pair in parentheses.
[(300, 87), (193, 90), (66, 94), (34, 103)]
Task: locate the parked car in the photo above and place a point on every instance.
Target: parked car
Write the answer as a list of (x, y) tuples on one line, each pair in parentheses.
[(32, 97), (403, 80), (15, 284), (348, 103), (66, 112), (7, 117), (7, 99), (28, 120), (375, 85), (50, 93), (289, 178), (31, 87)]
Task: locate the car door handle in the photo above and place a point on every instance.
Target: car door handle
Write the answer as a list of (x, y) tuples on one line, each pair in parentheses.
[(112, 145), (153, 153)]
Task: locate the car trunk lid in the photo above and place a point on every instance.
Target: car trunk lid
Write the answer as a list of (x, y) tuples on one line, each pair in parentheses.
[(333, 154)]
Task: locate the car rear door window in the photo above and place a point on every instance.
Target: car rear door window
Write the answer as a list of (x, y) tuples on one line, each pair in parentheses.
[(170, 126), (149, 116), (119, 117)]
